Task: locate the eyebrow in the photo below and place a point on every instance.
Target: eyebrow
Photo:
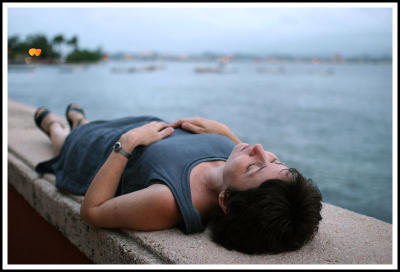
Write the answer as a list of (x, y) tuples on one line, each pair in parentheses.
[(280, 163), (261, 168)]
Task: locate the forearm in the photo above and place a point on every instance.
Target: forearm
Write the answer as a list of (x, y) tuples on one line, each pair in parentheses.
[(234, 138), (105, 183), (228, 133), (201, 125)]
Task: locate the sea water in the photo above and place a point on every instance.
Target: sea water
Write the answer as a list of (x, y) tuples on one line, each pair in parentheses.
[(333, 122)]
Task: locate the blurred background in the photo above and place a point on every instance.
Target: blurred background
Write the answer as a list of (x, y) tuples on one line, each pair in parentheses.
[(312, 85)]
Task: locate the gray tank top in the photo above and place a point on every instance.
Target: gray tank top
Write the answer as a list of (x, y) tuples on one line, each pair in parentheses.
[(168, 161)]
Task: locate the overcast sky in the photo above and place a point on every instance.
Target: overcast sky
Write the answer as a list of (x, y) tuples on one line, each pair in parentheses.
[(293, 31)]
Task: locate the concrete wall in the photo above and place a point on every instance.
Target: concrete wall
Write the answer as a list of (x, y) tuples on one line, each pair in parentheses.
[(41, 242), (344, 237)]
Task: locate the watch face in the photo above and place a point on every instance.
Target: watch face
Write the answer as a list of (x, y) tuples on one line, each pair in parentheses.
[(117, 146)]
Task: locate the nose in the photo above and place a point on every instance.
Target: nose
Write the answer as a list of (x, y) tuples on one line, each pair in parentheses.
[(258, 150), (265, 156)]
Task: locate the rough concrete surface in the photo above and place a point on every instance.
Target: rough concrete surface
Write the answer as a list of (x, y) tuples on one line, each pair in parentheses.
[(344, 237)]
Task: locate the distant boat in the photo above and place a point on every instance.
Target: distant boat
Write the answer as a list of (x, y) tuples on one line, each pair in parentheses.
[(221, 69), (122, 70), (271, 70), (69, 68), (148, 68), (214, 70)]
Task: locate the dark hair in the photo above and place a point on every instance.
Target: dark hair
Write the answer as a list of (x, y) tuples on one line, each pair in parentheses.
[(277, 216)]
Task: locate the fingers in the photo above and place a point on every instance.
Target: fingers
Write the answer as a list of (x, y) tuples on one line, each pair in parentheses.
[(159, 125), (165, 132), (163, 129), (177, 123), (193, 120), (191, 127)]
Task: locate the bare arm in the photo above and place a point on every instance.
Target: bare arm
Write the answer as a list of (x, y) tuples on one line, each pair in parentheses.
[(150, 208), (202, 125)]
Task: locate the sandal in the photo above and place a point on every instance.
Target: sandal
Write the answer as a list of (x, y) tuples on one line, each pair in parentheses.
[(70, 108), (39, 119)]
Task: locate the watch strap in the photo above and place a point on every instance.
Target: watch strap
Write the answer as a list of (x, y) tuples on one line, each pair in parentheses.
[(125, 153), (118, 148)]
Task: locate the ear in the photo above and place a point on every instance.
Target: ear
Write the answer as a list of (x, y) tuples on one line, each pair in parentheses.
[(222, 200)]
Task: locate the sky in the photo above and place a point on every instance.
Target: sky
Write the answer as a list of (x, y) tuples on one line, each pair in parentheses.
[(262, 31)]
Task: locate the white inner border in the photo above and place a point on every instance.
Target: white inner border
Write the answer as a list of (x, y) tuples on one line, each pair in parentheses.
[(394, 265)]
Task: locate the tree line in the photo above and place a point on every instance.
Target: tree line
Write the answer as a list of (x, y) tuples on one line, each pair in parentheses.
[(51, 49)]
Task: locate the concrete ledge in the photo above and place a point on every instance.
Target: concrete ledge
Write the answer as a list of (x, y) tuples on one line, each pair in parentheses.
[(344, 237), (62, 211)]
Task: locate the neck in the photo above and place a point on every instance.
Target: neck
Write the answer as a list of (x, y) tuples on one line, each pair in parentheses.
[(213, 178), (210, 177)]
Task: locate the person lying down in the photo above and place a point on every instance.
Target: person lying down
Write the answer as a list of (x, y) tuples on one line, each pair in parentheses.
[(143, 173)]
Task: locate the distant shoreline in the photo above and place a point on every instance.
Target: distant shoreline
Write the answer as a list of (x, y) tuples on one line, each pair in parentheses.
[(256, 61)]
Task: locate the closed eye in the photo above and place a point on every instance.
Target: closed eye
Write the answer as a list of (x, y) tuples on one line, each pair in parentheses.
[(248, 167), (278, 162), (262, 166)]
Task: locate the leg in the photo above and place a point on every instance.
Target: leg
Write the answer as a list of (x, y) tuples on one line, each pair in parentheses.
[(56, 131), (57, 135)]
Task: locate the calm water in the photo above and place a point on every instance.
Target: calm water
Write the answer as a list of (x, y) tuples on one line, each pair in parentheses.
[(332, 122)]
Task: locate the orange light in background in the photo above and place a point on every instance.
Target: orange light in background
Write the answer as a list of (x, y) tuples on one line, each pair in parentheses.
[(315, 61), (34, 51)]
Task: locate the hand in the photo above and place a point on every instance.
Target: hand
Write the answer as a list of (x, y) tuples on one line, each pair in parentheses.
[(201, 125), (145, 135)]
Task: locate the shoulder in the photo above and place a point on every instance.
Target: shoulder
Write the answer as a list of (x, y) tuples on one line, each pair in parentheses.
[(163, 205), (162, 197)]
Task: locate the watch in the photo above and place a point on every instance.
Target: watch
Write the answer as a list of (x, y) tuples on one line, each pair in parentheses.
[(118, 148)]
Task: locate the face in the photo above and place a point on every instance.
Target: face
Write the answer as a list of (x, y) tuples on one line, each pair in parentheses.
[(249, 166)]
